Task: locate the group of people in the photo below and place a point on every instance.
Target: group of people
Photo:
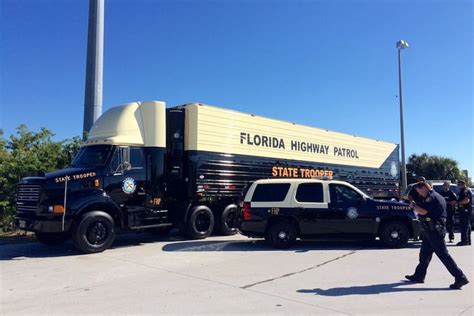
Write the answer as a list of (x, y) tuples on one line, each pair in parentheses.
[(463, 202), (436, 213)]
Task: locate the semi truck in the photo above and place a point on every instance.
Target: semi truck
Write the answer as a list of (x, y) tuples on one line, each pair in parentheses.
[(148, 167)]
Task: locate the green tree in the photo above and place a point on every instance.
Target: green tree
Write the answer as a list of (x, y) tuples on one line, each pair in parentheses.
[(28, 153), (433, 167)]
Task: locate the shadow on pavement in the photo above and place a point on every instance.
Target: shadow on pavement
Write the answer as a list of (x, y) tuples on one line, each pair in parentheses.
[(260, 245), (370, 289), (35, 249)]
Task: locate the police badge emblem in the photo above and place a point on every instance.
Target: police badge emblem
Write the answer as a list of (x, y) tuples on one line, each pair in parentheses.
[(128, 185), (393, 169), (352, 213)]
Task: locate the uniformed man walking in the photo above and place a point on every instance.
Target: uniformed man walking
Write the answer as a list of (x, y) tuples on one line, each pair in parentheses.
[(451, 201), (465, 209), (432, 214)]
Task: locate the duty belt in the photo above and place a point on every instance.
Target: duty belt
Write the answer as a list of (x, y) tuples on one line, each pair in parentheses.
[(438, 225)]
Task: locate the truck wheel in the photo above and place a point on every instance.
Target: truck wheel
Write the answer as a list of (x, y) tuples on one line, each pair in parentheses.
[(281, 235), (95, 232), (394, 234), (200, 223), (52, 239), (228, 219)]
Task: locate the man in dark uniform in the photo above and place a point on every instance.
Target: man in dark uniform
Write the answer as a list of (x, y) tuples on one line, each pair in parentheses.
[(464, 202), (432, 214), (451, 201)]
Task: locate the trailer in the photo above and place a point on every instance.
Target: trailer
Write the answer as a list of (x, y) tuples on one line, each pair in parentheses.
[(146, 167)]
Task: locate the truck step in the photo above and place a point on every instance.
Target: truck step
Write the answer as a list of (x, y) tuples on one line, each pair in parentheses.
[(151, 226)]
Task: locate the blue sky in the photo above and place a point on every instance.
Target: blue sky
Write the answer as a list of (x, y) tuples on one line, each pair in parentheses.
[(329, 64)]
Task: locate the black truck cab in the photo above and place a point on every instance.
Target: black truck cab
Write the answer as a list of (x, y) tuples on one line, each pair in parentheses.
[(111, 179)]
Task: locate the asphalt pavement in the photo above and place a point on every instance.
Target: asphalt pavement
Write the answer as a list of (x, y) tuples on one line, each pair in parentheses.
[(145, 274)]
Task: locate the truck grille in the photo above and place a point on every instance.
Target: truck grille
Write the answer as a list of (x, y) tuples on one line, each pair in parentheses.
[(28, 197)]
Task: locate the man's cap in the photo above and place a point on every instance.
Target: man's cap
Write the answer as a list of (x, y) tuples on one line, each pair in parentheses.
[(461, 182), (422, 184), (420, 179)]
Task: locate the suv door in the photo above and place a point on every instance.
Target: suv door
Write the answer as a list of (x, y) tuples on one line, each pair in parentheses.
[(311, 201), (349, 212)]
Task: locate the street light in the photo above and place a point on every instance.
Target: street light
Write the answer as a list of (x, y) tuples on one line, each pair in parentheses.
[(402, 45)]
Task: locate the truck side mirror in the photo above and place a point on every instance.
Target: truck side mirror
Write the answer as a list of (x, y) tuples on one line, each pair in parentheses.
[(127, 166)]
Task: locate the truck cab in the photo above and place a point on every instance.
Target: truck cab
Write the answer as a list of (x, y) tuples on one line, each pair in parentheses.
[(116, 180), (282, 210)]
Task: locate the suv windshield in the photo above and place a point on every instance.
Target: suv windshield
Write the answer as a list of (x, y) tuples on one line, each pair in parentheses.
[(91, 156)]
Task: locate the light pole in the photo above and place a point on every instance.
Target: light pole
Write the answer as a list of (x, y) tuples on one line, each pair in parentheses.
[(402, 45), (94, 66)]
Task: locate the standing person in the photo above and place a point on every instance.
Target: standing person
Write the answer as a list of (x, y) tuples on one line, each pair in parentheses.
[(432, 214), (464, 202), (451, 201)]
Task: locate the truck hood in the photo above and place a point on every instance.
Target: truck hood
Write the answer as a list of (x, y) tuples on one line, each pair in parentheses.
[(72, 174)]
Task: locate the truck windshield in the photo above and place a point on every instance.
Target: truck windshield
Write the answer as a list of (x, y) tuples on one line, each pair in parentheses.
[(91, 156)]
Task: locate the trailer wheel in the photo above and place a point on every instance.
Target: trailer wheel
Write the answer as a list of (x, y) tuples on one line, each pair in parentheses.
[(281, 234), (200, 223), (94, 233), (52, 239), (229, 217), (394, 234)]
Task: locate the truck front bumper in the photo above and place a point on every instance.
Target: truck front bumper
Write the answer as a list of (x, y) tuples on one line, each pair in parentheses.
[(47, 224)]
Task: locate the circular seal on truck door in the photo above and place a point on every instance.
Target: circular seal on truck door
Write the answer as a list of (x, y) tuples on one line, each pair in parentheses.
[(128, 185)]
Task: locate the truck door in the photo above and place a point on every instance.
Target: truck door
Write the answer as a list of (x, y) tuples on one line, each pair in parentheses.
[(348, 211), (126, 183)]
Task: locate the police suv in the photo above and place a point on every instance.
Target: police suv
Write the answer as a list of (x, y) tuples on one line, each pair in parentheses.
[(282, 210)]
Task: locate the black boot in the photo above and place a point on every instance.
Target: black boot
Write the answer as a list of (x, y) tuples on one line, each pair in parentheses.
[(459, 282), (415, 279)]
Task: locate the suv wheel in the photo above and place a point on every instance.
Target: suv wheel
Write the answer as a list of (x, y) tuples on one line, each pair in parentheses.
[(95, 232), (394, 234), (281, 235), (52, 239)]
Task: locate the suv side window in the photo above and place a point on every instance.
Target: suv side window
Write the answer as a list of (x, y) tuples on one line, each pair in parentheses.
[(271, 192), (340, 193), (310, 192)]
